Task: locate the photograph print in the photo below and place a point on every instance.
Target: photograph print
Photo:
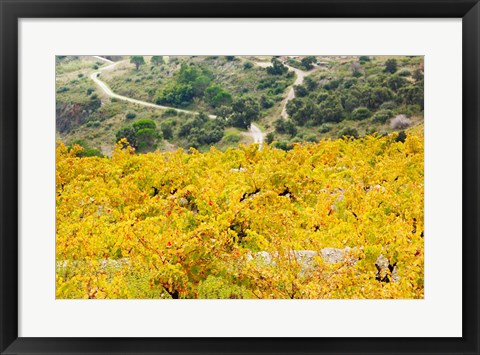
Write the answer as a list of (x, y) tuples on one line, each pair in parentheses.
[(239, 177)]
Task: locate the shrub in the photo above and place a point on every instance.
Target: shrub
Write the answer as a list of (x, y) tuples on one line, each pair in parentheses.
[(144, 124), (364, 58), (170, 113), (93, 124), (248, 65), (401, 137), (361, 113), (231, 137), (130, 115), (269, 138), (325, 128), (62, 89), (80, 75), (405, 72), (382, 116), (348, 132), (400, 122), (391, 66), (167, 129), (283, 145), (389, 105)]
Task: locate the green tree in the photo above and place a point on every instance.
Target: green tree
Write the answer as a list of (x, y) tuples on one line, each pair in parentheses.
[(128, 133), (137, 60), (157, 60), (216, 96), (307, 62), (270, 138), (391, 66), (277, 68), (245, 110)]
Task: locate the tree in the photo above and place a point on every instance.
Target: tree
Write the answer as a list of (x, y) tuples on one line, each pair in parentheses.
[(307, 62), (144, 124), (141, 135), (277, 68), (270, 138), (245, 110), (129, 134), (157, 60), (216, 96), (391, 66), (137, 60), (177, 94)]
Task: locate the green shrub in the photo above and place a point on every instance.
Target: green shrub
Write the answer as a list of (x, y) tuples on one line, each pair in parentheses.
[(231, 138), (405, 72), (361, 113), (144, 124), (270, 138), (169, 113), (247, 65), (401, 137), (62, 89), (93, 124), (325, 128), (130, 115), (391, 66), (283, 145), (348, 132), (382, 116)]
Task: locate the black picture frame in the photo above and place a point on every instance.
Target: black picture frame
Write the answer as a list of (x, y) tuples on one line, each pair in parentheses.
[(11, 11)]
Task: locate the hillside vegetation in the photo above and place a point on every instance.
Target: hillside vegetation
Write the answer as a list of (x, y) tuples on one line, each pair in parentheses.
[(339, 96), (187, 224)]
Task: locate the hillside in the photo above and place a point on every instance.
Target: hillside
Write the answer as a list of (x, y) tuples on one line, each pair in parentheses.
[(289, 99)]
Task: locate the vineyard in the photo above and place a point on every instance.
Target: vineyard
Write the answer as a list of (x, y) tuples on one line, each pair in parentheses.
[(338, 219)]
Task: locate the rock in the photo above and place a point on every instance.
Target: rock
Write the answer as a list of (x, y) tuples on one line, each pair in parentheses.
[(386, 272), (333, 255), (305, 258)]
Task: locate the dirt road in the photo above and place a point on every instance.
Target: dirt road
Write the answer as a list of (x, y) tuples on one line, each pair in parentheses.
[(291, 92), (94, 76), (254, 132), (257, 135)]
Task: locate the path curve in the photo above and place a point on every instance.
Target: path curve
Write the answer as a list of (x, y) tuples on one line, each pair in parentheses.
[(109, 92), (298, 81), (257, 135)]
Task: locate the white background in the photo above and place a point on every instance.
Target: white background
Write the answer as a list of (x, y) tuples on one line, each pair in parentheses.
[(439, 314)]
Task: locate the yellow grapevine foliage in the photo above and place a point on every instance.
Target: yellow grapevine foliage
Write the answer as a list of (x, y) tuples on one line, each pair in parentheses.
[(189, 225)]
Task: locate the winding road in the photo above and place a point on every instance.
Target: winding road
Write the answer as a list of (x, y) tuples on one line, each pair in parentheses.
[(109, 92), (257, 135)]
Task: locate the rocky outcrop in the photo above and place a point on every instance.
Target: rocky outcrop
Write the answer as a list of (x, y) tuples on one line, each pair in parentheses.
[(386, 272), (307, 259)]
